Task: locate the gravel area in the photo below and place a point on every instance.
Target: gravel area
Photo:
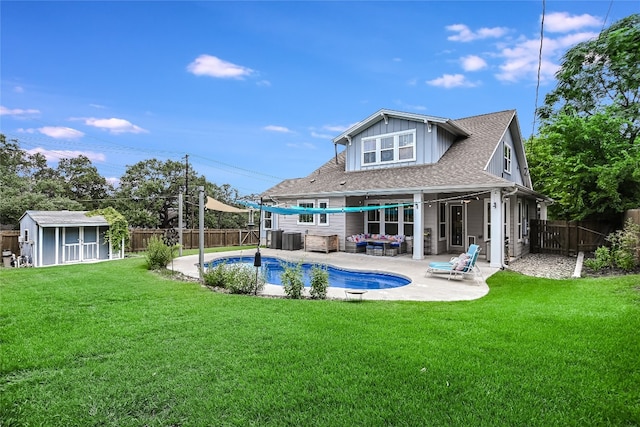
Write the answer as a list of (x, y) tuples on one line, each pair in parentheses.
[(544, 265)]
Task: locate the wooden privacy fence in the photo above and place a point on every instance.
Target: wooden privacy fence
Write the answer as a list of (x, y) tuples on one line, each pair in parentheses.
[(567, 237), (191, 238)]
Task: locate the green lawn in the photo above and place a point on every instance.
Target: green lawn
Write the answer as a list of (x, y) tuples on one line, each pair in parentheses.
[(114, 344)]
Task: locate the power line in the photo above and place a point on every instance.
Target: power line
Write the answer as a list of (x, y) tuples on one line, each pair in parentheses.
[(535, 109)]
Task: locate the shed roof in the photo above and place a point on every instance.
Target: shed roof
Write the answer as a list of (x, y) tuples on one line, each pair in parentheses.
[(65, 218)]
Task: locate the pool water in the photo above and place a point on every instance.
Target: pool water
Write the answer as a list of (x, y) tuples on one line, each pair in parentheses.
[(338, 277)]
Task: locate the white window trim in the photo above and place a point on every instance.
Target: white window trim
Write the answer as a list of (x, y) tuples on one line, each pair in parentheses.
[(520, 220), (313, 217), (323, 224), (442, 221), (507, 157), (396, 148), (265, 219), (487, 220)]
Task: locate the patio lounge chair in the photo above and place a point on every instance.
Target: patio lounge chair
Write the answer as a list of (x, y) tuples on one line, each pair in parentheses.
[(454, 267)]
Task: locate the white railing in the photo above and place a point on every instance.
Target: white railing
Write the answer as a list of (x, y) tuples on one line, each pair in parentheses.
[(72, 252), (90, 251)]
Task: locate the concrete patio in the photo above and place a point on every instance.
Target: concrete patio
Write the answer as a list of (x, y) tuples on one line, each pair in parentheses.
[(421, 288)]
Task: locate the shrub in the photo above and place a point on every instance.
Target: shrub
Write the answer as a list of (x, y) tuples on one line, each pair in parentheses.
[(292, 280), (237, 278), (159, 255), (319, 282), (624, 251), (216, 276), (603, 259)]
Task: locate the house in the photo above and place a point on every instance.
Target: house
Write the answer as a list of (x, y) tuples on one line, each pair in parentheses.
[(457, 182), (62, 237)]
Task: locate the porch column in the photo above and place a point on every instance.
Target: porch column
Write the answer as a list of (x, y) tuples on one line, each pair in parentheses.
[(418, 226), (39, 243), (497, 237), (57, 249), (543, 211)]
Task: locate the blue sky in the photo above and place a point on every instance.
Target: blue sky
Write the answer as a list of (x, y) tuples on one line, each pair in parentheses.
[(254, 92)]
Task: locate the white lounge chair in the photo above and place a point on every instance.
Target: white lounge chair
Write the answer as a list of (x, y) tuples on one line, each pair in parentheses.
[(454, 269)]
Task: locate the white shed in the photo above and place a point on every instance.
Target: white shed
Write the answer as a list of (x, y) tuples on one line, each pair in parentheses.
[(63, 237)]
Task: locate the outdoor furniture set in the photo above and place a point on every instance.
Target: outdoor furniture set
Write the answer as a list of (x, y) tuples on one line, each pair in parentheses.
[(376, 244)]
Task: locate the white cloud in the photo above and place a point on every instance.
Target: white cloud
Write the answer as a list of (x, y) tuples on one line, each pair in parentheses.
[(520, 61), (465, 34), (55, 155), (115, 126), (18, 89), (473, 63), (274, 128), (449, 81), (337, 128), (17, 112), (98, 106), (60, 132), (321, 135), (264, 83), (207, 65), (113, 181), (409, 107), (562, 22)]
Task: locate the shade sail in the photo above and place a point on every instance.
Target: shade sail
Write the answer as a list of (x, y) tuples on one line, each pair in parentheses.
[(298, 210), (215, 205)]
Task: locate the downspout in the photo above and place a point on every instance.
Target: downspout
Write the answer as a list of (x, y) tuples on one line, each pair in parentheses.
[(503, 198)]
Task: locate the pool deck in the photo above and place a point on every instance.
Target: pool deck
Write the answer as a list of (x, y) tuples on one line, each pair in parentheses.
[(430, 288)]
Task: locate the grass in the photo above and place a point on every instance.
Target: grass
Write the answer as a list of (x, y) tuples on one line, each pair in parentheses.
[(114, 344)]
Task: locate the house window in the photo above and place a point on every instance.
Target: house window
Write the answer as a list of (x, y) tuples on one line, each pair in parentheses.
[(268, 220), (507, 220), (373, 220), (305, 218), (391, 221), (389, 148), (525, 221), (407, 216), (369, 151), (442, 221), (323, 218), (519, 219), (487, 220), (507, 158)]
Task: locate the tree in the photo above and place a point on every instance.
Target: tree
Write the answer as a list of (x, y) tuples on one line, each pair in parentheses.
[(82, 182), (26, 182), (587, 154), (148, 193)]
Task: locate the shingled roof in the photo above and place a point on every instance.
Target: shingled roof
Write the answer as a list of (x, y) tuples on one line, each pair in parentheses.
[(65, 218), (461, 167)]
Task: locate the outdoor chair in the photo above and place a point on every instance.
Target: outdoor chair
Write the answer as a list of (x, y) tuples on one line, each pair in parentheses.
[(459, 266)]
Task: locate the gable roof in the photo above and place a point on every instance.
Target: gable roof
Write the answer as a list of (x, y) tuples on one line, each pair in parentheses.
[(65, 218), (461, 168), (384, 114)]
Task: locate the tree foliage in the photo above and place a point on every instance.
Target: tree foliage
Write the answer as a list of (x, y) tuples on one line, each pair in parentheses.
[(146, 197), (27, 183), (587, 154)]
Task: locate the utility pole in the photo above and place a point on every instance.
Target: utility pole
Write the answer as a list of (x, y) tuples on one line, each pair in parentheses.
[(186, 187)]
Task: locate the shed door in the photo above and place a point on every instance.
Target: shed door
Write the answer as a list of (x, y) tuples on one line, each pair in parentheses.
[(72, 244)]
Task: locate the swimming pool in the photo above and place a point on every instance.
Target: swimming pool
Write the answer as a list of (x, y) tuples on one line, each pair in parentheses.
[(338, 277)]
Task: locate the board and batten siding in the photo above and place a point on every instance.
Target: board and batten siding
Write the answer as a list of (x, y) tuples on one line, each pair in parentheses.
[(336, 222), (496, 164), (430, 146)]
